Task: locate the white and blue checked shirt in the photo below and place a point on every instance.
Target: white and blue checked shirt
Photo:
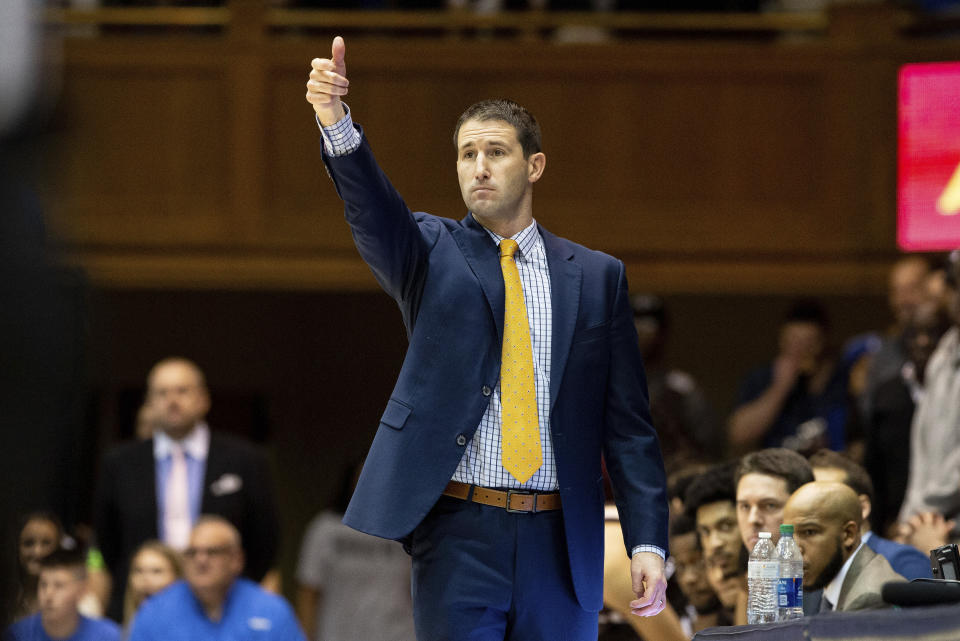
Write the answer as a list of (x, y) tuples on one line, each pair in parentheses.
[(481, 463)]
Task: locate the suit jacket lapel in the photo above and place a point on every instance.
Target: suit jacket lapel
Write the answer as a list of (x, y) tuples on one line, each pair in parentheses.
[(482, 256), (847, 591), (565, 278), (147, 465), (212, 468)]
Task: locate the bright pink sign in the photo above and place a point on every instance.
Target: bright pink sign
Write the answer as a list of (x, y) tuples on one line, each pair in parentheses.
[(928, 212)]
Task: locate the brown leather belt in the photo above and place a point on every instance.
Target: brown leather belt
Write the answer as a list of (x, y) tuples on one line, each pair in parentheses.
[(511, 500)]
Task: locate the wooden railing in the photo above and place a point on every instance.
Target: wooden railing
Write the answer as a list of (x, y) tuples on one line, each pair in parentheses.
[(728, 152)]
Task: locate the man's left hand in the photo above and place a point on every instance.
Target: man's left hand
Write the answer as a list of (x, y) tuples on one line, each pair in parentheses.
[(649, 584)]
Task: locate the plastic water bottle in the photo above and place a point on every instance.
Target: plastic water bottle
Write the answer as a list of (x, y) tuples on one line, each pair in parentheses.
[(790, 585), (763, 573)]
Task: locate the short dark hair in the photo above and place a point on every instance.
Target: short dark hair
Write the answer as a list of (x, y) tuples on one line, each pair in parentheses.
[(712, 486), (528, 130), (65, 559), (808, 310), (778, 462), (683, 524), (856, 479)]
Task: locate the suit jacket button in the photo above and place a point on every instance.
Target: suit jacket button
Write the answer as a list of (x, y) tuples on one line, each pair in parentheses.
[(485, 390), (461, 440)]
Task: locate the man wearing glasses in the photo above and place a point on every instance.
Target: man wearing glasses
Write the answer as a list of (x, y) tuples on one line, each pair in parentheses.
[(213, 601)]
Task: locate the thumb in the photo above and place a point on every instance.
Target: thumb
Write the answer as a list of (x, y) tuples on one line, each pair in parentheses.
[(338, 53)]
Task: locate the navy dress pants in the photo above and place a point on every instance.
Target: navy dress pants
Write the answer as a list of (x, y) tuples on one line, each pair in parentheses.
[(481, 573)]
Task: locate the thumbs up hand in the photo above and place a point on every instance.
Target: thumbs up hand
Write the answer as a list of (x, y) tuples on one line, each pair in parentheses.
[(328, 81)]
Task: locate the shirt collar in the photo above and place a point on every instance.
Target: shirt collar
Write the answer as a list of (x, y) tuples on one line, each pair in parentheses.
[(527, 239), (832, 591), (196, 444)]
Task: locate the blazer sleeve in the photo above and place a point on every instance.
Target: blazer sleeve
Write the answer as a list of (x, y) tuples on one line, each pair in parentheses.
[(384, 229), (631, 449), (106, 521), (261, 534)]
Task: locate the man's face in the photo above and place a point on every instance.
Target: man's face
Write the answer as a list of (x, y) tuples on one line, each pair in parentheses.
[(150, 572), (824, 544), (494, 176), (213, 560), (803, 342), (37, 539), (59, 590), (691, 572), (720, 536), (177, 398), (926, 327), (906, 289), (760, 501)]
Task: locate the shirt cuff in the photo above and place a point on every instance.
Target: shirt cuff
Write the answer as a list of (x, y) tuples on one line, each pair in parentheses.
[(342, 137), (649, 548)]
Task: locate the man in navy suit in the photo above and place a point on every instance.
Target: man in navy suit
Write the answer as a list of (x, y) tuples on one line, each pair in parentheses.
[(906, 560), (496, 555)]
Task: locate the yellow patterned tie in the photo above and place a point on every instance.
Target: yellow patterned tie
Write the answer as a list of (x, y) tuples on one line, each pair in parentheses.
[(520, 431)]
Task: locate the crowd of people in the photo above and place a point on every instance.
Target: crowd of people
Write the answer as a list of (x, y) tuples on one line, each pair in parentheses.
[(857, 448)]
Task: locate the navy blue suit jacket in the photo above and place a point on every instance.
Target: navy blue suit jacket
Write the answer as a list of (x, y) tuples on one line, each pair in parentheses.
[(445, 275), (904, 559)]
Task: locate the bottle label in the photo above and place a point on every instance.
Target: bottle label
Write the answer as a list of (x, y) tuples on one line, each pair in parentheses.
[(764, 570), (790, 592)]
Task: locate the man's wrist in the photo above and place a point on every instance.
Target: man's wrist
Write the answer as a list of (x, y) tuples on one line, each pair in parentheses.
[(659, 551)]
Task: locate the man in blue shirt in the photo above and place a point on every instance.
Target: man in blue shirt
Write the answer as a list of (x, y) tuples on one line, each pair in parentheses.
[(62, 583), (213, 603)]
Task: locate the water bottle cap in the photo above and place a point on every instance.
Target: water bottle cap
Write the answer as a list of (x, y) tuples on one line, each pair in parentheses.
[(786, 528), (765, 535)]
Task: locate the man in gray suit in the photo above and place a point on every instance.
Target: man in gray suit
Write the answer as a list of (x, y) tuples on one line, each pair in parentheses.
[(826, 517)]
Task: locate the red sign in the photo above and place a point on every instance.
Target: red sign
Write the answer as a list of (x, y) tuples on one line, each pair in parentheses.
[(928, 212)]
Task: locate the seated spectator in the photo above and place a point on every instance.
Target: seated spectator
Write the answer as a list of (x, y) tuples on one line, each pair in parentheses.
[(764, 481), (40, 535), (703, 608), (214, 602), (904, 559), (799, 401), (342, 571), (61, 585), (154, 567), (887, 427), (711, 502), (933, 488), (685, 423), (826, 519)]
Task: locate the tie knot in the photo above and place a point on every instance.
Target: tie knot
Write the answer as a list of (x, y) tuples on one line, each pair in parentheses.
[(508, 247)]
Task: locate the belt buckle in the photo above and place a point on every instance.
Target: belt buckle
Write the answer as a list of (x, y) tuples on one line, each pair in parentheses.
[(521, 493)]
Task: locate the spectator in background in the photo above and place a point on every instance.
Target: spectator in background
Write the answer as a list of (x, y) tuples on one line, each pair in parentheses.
[(799, 401), (154, 566), (343, 572), (683, 419), (826, 519), (904, 559), (157, 488), (764, 481), (887, 430), (711, 502), (703, 609), (40, 534), (906, 290), (214, 602), (932, 499), (61, 585)]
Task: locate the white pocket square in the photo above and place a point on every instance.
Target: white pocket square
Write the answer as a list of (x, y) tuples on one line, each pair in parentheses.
[(226, 484)]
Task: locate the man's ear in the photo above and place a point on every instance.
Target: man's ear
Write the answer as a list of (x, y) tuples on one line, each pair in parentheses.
[(851, 535), (536, 163), (865, 507)]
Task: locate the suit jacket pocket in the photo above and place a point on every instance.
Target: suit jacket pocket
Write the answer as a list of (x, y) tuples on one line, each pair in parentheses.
[(396, 414), (592, 333)]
